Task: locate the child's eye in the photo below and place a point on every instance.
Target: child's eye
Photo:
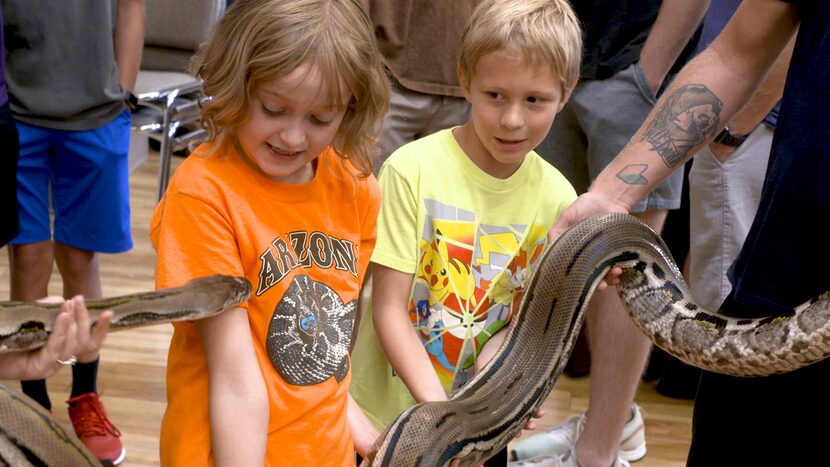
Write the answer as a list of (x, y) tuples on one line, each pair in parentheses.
[(535, 100), (272, 112), (321, 121), (493, 95)]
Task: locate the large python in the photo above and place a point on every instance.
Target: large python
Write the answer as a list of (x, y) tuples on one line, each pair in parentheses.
[(29, 436), (486, 414)]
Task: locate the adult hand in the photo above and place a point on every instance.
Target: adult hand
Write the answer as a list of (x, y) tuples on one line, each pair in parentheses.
[(531, 425), (586, 205), (71, 335)]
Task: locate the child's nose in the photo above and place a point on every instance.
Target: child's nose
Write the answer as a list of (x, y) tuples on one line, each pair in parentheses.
[(293, 134), (512, 117)]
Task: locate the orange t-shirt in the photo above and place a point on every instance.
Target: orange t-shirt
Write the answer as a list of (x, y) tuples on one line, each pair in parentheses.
[(305, 249)]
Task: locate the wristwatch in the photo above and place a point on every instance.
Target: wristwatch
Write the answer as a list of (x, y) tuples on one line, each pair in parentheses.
[(726, 138), (131, 101)]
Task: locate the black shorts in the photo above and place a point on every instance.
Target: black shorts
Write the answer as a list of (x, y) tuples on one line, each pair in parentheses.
[(9, 151)]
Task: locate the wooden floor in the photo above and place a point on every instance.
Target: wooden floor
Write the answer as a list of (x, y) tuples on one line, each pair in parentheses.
[(131, 375)]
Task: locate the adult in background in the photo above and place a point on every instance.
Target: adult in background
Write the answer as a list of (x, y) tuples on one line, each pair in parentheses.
[(770, 420)]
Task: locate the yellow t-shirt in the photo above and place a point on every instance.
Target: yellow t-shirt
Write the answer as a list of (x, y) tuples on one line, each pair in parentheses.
[(471, 241), (305, 249)]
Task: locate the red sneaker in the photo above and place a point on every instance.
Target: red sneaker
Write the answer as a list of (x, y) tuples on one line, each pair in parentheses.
[(94, 428)]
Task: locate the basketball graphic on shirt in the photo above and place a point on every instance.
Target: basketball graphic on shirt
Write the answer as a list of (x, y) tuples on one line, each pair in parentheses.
[(309, 335)]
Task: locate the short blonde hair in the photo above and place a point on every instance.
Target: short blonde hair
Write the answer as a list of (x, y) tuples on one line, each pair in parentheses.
[(257, 41), (545, 31)]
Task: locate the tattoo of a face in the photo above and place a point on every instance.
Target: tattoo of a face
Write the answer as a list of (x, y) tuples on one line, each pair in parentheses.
[(683, 122), (632, 174)]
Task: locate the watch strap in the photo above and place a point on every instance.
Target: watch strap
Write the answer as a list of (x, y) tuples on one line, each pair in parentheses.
[(727, 138)]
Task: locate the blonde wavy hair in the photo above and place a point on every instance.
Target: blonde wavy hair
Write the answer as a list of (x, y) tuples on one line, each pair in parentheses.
[(257, 41), (546, 31)]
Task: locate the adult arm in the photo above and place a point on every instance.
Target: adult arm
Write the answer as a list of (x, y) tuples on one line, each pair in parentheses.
[(129, 41), (238, 398), (674, 26), (764, 99), (708, 92), (403, 348), (71, 335)]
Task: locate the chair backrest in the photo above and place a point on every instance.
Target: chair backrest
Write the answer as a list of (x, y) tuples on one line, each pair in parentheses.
[(174, 29)]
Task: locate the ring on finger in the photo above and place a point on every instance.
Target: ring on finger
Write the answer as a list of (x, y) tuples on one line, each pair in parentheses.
[(69, 361)]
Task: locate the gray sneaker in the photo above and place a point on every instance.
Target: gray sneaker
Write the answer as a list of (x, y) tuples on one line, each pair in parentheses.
[(560, 440)]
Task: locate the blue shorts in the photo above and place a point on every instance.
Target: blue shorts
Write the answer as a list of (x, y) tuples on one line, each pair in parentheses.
[(85, 174)]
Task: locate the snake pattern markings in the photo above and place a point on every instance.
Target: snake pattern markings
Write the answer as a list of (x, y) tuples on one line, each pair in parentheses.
[(485, 415)]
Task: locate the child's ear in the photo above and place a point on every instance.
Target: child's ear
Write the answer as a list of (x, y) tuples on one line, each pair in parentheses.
[(567, 96), (465, 83)]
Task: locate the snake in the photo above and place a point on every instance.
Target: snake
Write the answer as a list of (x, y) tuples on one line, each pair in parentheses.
[(482, 417), (29, 436)]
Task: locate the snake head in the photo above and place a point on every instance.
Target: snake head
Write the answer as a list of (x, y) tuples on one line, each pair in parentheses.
[(241, 288), (233, 290)]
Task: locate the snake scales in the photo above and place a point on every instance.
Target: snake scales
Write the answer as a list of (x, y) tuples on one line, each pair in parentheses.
[(28, 433), (485, 415)]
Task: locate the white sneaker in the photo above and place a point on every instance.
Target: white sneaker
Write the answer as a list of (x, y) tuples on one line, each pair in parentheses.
[(633, 440), (565, 460), (560, 440)]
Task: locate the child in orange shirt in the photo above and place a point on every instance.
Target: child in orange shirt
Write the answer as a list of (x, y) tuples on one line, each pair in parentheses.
[(281, 193)]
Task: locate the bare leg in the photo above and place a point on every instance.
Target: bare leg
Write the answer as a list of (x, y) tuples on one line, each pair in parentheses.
[(619, 352), (31, 267), (79, 271)]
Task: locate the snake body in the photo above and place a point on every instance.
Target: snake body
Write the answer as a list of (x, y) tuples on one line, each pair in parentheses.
[(28, 433), (27, 325), (486, 414)]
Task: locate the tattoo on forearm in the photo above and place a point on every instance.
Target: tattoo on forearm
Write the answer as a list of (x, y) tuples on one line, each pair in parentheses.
[(683, 122), (632, 174)]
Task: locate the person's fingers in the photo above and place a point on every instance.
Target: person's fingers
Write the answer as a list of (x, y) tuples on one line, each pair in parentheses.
[(613, 276), (539, 413), (102, 326), (62, 345), (56, 345), (81, 317), (528, 426), (558, 228), (71, 346), (90, 337)]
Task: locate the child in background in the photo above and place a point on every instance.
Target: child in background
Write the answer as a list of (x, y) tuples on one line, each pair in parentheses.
[(69, 68), (281, 193), (466, 212)]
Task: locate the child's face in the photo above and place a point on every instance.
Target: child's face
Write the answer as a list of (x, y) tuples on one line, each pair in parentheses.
[(289, 124), (513, 107)]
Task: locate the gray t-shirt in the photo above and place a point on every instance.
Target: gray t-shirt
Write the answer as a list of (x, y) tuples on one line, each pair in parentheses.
[(60, 62)]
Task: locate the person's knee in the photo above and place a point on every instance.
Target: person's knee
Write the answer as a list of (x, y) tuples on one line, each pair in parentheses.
[(74, 261)]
